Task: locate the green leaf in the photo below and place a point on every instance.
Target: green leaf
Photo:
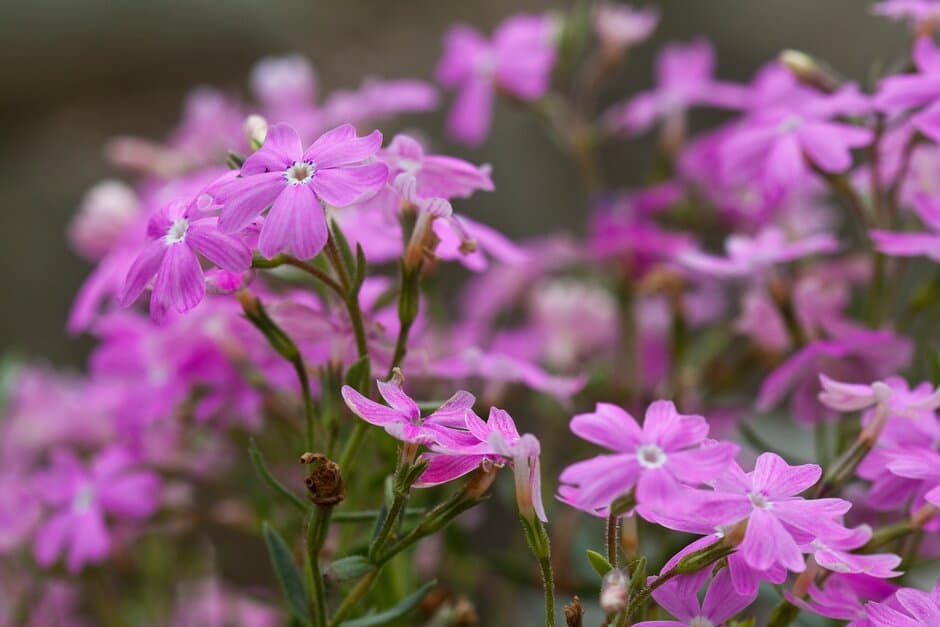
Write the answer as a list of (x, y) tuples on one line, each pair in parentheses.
[(344, 250), (350, 567), (599, 563), (404, 606), (357, 377), (638, 578), (288, 575), (257, 459), (361, 266)]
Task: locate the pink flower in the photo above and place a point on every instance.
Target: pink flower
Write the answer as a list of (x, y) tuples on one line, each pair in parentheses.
[(914, 244), (402, 419), (209, 603), (620, 26), (669, 451), (914, 11), (914, 608), (902, 92), (518, 60), (750, 256), (832, 553), (721, 602), (523, 451), (107, 211), (683, 79), (779, 521), (82, 498), (181, 231), (438, 176), (843, 597), (295, 182)]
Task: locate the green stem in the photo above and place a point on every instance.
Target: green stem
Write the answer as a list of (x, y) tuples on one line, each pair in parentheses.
[(287, 260), (538, 540), (352, 599), (318, 524)]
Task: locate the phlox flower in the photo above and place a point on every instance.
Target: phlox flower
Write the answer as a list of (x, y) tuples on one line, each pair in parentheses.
[(523, 451), (900, 244), (911, 608), (295, 183), (894, 393), (832, 553), (750, 256), (180, 231), (401, 418), (81, 498), (844, 597), (684, 78), (915, 12), (378, 99), (902, 92), (670, 450), (778, 521), (107, 211), (517, 60), (620, 26), (721, 602)]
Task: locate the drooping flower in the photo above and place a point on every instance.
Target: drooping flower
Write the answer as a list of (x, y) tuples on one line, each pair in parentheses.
[(401, 418), (523, 451), (294, 183), (670, 450), (180, 231), (83, 497), (518, 60)]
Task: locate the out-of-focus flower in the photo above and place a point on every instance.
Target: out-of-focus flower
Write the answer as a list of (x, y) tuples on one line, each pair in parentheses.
[(914, 244), (620, 26), (832, 553), (81, 499), (294, 182), (180, 231), (902, 92), (209, 603), (106, 212), (669, 451), (684, 78), (749, 256), (615, 589), (844, 597), (518, 60), (916, 12)]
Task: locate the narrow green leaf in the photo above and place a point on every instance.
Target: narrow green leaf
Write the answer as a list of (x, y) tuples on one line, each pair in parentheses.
[(288, 575), (357, 377), (361, 266), (257, 459), (638, 575), (347, 568), (404, 606), (344, 250), (599, 563)]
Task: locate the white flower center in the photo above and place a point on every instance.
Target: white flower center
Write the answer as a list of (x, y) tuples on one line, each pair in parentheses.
[(177, 232), (790, 124), (300, 172), (411, 166), (83, 499), (701, 621), (759, 500), (650, 456)]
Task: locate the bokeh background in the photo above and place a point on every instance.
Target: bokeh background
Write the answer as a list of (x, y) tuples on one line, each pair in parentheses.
[(75, 73)]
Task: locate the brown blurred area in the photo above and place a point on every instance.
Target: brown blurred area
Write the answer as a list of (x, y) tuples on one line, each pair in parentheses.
[(75, 73)]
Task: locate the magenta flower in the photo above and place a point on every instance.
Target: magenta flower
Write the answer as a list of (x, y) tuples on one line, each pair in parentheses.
[(902, 92), (912, 608), (437, 176), (750, 256), (684, 78), (466, 450), (294, 183), (402, 419), (914, 244), (180, 231), (773, 144), (778, 520), (82, 498), (844, 597), (518, 60), (669, 451), (721, 602), (915, 12), (832, 553), (523, 451)]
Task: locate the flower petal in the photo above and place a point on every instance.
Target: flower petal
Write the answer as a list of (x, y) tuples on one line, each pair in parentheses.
[(143, 269), (344, 186)]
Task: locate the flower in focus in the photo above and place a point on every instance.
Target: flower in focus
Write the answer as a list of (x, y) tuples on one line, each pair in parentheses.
[(81, 498), (294, 182), (669, 451), (721, 602), (401, 418), (180, 231), (523, 451), (517, 60), (912, 608)]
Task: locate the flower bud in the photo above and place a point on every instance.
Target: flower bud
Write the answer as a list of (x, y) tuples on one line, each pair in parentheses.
[(255, 129), (614, 591), (809, 71)]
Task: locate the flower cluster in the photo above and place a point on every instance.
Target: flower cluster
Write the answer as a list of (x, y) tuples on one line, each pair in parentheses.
[(271, 257)]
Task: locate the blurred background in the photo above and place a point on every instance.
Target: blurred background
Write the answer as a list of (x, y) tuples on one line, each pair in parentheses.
[(76, 73)]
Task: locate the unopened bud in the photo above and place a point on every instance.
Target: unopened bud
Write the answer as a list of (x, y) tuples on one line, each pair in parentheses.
[(614, 591), (574, 613), (481, 480), (808, 70), (256, 130)]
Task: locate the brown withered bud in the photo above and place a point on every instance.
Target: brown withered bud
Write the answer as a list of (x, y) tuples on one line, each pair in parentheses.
[(325, 482), (308, 458), (574, 613)]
